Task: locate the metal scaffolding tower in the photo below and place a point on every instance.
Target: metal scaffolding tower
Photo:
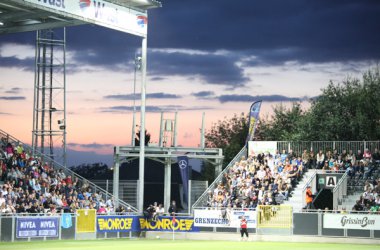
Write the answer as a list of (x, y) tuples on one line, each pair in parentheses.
[(49, 112)]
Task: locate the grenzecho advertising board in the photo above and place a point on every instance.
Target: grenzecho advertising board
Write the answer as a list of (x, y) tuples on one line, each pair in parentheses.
[(223, 218)]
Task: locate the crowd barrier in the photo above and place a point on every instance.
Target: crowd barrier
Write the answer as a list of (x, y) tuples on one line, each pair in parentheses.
[(74, 226)]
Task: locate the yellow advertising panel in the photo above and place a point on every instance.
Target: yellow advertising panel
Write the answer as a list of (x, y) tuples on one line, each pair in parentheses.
[(275, 216), (86, 220)]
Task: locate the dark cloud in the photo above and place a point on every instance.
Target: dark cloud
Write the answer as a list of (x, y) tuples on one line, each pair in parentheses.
[(15, 90), (265, 98), (273, 30), (12, 98), (267, 32), (24, 64), (210, 68), (90, 145), (152, 109), (157, 78), (159, 95), (203, 94)]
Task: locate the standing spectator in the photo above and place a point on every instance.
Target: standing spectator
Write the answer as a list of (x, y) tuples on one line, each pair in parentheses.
[(309, 198), (243, 228), (173, 208)]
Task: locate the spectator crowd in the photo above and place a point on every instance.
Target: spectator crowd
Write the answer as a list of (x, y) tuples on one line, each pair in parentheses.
[(30, 185), (265, 179), (369, 200), (260, 179)]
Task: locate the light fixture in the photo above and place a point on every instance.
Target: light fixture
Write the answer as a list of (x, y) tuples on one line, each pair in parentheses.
[(1, 23)]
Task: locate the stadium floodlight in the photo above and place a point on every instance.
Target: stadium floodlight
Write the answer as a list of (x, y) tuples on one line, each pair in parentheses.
[(1, 23)]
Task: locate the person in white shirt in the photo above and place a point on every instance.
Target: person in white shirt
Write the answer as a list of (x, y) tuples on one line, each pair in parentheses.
[(160, 210), (261, 173)]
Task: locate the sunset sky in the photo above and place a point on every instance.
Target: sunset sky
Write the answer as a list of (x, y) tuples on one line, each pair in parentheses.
[(212, 56)]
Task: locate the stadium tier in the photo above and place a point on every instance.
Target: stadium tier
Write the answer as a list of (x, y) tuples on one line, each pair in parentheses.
[(36, 184), (265, 179)]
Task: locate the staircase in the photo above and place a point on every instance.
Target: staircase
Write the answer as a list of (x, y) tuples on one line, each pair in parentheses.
[(8, 138), (296, 201), (350, 201)]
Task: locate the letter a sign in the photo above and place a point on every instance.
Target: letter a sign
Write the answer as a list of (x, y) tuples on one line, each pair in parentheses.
[(330, 181)]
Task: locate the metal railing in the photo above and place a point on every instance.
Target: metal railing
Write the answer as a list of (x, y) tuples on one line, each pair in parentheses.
[(340, 191), (299, 146), (68, 171), (310, 183), (203, 198)]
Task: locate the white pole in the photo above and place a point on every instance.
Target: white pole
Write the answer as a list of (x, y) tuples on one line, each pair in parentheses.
[(134, 104), (189, 197), (203, 131), (175, 130), (142, 125), (160, 140)]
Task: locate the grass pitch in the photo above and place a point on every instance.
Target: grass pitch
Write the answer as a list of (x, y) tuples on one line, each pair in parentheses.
[(142, 244)]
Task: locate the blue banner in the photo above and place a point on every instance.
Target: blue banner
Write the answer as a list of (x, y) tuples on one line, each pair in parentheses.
[(183, 164), (37, 227), (253, 119), (117, 223), (66, 221), (166, 223)]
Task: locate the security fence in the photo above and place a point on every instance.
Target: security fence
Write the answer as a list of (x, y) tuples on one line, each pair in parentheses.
[(277, 220), (299, 146)]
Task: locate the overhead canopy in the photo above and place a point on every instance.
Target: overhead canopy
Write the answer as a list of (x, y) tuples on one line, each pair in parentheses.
[(129, 16)]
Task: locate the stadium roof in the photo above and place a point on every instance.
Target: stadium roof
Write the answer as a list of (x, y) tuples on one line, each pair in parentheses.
[(30, 15)]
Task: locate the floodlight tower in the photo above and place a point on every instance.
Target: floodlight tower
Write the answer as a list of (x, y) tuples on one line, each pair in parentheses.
[(49, 110)]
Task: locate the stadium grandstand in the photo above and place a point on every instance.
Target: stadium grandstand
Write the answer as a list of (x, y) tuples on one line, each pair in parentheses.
[(36, 184), (265, 179)]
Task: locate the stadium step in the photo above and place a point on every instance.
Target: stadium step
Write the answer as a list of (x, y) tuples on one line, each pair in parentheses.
[(297, 195)]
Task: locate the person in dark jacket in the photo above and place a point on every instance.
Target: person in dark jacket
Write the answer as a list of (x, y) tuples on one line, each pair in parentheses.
[(173, 208)]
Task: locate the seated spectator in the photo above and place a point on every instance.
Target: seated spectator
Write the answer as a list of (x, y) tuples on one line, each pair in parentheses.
[(320, 159)]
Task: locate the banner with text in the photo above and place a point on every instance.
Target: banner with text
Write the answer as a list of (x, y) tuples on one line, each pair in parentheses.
[(117, 223), (254, 112), (100, 12), (223, 218), (257, 147), (351, 221), (37, 227), (166, 223)]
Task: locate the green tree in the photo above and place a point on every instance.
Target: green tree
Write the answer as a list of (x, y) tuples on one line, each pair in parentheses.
[(344, 111), (284, 124), (229, 134), (347, 111)]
